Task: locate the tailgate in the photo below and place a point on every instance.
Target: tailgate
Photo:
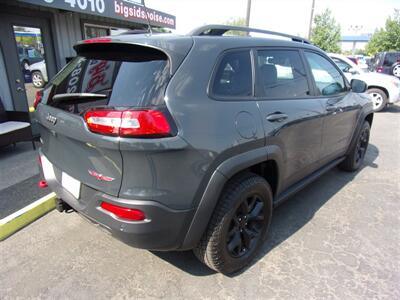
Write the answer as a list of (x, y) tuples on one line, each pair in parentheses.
[(103, 77), (71, 148)]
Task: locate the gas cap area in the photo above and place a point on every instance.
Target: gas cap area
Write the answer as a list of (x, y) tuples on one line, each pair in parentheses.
[(245, 125)]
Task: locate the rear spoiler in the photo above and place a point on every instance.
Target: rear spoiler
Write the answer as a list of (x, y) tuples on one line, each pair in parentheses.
[(137, 48)]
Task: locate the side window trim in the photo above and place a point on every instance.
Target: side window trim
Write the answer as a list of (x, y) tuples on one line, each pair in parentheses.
[(317, 94), (310, 78), (214, 70), (305, 66)]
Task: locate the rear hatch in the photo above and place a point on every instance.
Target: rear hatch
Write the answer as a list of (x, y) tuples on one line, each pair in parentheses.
[(98, 85)]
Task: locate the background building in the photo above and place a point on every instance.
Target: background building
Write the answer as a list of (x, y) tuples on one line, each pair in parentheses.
[(354, 42)]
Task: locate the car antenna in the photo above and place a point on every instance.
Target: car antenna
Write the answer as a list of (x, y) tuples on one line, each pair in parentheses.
[(147, 18)]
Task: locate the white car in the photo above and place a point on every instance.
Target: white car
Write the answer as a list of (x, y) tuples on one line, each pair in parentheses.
[(383, 89), (39, 74)]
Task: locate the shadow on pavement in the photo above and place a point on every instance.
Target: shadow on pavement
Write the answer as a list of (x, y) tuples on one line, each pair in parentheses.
[(391, 109), (287, 218)]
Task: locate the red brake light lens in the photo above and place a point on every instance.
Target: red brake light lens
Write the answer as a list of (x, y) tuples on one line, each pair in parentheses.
[(128, 123), (379, 69), (97, 40), (38, 98), (126, 213), (144, 122)]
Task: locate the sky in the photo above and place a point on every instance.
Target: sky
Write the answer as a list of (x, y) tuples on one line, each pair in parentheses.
[(288, 16)]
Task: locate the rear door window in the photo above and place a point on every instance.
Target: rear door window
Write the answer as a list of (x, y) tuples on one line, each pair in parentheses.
[(119, 83), (233, 76), (281, 74)]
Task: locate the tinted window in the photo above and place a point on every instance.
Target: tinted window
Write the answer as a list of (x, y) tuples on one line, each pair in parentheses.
[(137, 83), (345, 67), (391, 58), (233, 76), (280, 74), (327, 78)]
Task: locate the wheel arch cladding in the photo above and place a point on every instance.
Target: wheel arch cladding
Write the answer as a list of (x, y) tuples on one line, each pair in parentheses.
[(255, 161), (379, 88), (369, 118)]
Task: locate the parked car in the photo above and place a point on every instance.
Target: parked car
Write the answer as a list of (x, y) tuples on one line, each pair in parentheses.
[(189, 142), (360, 61), (382, 88), (28, 55), (387, 63), (38, 74)]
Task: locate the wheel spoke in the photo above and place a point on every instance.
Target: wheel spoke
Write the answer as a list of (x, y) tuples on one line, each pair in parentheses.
[(255, 213), (251, 202), (245, 207), (236, 242), (246, 239)]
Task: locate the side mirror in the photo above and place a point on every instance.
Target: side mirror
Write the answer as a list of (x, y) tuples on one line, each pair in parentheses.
[(358, 86)]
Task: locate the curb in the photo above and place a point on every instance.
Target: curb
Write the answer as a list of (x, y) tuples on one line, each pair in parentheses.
[(26, 215)]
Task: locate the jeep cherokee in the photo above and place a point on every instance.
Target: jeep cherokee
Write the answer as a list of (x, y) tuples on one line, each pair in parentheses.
[(188, 142)]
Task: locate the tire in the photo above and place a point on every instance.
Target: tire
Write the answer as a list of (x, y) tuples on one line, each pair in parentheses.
[(379, 98), (25, 65), (37, 79), (234, 234), (396, 70), (355, 158)]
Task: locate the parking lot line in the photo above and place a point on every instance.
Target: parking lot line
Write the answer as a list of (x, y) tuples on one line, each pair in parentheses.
[(26, 215)]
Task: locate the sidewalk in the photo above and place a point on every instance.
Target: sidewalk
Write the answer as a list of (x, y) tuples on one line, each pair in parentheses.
[(19, 176)]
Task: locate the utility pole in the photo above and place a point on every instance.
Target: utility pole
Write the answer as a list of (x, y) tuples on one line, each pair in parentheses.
[(248, 13), (311, 19)]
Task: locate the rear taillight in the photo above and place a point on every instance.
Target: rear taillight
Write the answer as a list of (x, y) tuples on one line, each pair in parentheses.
[(128, 123), (38, 98), (126, 213), (379, 69)]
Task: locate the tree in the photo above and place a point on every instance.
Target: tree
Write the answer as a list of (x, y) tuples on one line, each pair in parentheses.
[(388, 38), (237, 22), (326, 32)]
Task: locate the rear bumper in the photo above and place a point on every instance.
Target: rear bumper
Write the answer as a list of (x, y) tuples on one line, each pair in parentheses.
[(163, 229)]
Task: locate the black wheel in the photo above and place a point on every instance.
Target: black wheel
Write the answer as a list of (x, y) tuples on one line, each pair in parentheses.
[(238, 226), (355, 158), (379, 99), (37, 79)]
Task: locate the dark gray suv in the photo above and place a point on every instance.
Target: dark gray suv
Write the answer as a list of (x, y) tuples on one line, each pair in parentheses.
[(189, 142)]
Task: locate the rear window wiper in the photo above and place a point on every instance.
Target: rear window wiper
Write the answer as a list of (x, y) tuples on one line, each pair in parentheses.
[(72, 97)]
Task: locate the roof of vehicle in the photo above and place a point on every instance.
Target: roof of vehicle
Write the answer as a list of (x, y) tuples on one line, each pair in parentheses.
[(177, 46), (173, 42)]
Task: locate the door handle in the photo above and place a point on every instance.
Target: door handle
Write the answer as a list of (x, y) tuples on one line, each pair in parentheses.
[(20, 89), (277, 117), (333, 108)]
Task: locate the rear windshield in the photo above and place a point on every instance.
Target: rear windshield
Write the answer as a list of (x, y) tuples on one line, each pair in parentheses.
[(136, 82)]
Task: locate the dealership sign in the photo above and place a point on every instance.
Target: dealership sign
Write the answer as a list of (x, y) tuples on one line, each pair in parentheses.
[(128, 10)]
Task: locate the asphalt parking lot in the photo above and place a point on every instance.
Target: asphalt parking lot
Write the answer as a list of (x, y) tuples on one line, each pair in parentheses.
[(337, 239)]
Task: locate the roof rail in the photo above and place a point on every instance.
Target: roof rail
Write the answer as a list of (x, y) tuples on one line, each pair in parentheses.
[(219, 30), (140, 31)]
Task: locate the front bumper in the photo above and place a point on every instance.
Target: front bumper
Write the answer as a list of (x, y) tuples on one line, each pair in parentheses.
[(394, 95), (163, 229)]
